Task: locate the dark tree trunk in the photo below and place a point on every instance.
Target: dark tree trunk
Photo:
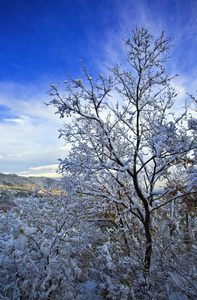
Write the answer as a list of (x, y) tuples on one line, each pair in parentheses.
[(148, 251)]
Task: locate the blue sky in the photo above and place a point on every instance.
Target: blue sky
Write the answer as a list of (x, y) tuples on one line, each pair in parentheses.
[(41, 39)]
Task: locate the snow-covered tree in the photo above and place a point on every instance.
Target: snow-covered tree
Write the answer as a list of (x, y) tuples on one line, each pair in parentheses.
[(39, 240), (125, 139)]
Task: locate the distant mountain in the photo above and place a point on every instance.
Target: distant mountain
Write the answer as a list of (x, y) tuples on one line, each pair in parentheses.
[(14, 180), (13, 186)]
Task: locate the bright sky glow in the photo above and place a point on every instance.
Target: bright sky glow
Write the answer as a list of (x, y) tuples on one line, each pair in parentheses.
[(41, 39)]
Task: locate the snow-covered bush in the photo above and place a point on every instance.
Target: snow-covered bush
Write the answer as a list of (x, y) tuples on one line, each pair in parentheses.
[(39, 238), (54, 248)]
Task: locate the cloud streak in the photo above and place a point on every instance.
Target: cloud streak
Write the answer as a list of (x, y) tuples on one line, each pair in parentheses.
[(47, 171), (29, 130), (20, 120), (50, 167)]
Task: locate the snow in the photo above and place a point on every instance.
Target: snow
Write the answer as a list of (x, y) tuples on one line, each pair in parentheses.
[(101, 75), (158, 150), (177, 296), (88, 290), (45, 251), (79, 83), (21, 242)]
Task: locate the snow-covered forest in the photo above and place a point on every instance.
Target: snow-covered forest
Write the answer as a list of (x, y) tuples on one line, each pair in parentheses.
[(124, 226)]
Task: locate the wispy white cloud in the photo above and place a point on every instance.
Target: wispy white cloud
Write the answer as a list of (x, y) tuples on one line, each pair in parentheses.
[(20, 120), (41, 168), (18, 155), (44, 174), (29, 129), (27, 102), (47, 171)]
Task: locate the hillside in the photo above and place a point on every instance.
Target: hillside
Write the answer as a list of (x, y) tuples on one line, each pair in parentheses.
[(14, 180), (13, 186)]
